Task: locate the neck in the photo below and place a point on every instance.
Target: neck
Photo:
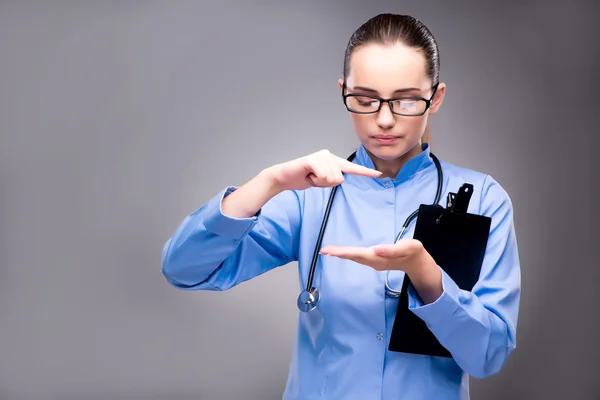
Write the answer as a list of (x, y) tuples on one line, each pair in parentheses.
[(391, 168)]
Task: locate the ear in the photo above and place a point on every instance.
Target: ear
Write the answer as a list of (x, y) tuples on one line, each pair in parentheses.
[(438, 98), (341, 84)]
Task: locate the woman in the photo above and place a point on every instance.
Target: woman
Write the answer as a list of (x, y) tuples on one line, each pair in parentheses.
[(341, 349)]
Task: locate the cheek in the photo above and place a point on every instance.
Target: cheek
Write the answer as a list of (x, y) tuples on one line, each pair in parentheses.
[(362, 123), (415, 125)]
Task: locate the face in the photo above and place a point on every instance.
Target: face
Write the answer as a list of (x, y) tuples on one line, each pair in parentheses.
[(390, 72)]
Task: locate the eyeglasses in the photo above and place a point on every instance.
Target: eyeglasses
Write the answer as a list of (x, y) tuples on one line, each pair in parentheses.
[(409, 106)]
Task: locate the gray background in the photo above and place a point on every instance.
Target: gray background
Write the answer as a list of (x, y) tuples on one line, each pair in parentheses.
[(119, 118)]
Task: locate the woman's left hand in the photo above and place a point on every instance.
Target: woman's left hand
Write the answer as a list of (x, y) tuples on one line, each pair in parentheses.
[(406, 255)]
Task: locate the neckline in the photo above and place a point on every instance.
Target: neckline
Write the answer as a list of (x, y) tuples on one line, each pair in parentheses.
[(412, 167)]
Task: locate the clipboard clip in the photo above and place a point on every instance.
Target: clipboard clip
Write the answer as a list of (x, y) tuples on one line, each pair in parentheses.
[(458, 202)]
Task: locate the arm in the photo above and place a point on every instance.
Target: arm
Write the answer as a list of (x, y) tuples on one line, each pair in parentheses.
[(239, 234), (478, 328)]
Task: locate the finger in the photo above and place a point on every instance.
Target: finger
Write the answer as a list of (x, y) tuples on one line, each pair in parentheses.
[(331, 172), (325, 173), (402, 248), (356, 258), (359, 255), (355, 169), (387, 250), (336, 175), (347, 251), (318, 174)]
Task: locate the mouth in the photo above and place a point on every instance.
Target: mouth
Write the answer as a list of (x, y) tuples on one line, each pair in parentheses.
[(386, 139)]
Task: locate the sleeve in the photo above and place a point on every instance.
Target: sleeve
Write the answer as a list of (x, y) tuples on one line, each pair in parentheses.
[(212, 251), (479, 327)]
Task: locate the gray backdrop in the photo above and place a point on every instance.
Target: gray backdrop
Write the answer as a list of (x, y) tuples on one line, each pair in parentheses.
[(119, 118)]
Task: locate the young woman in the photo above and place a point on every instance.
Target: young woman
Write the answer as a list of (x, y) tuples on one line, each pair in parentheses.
[(390, 86)]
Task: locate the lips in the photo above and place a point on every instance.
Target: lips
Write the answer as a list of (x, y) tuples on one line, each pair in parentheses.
[(386, 137)]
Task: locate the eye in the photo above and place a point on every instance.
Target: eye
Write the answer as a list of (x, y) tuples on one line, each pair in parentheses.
[(407, 105), (366, 101), (362, 103)]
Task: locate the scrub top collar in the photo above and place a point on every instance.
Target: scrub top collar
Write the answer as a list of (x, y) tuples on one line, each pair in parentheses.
[(415, 165)]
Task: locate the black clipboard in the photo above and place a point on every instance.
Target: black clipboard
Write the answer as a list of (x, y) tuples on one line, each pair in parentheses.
[(457, 241)]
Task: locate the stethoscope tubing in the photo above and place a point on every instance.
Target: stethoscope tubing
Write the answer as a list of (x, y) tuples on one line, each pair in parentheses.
[(310, 296)]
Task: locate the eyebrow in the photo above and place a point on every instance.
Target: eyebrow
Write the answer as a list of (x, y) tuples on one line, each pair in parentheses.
[(395, 91)]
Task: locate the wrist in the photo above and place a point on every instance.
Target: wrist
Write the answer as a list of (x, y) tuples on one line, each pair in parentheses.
[(270, 182), (424, 268), (426, 277)]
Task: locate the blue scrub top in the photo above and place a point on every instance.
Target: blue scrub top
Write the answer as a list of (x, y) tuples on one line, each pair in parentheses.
[(341, 347)]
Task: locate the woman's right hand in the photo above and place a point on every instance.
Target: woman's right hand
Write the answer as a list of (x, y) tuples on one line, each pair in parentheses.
[(320, 169)]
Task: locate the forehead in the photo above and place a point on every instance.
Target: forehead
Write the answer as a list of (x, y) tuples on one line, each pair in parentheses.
[(388, 68)]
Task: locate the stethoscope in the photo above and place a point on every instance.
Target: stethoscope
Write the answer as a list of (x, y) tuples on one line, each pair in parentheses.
[(310, 296)]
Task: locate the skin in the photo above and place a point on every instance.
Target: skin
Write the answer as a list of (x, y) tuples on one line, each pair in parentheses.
[(387, 69), (383, 69)]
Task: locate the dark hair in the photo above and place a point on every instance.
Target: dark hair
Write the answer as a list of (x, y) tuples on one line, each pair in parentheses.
[(389, 29)]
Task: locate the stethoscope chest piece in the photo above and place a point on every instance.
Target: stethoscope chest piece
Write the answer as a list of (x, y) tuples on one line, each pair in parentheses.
[(308, 300)]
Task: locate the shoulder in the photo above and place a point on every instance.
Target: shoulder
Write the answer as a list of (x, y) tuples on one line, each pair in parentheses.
[(489, 196)]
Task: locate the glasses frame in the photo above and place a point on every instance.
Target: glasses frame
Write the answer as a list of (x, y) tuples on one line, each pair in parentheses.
[(389, 101)]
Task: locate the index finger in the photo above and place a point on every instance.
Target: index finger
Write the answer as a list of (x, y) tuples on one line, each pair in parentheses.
[(355, 169)]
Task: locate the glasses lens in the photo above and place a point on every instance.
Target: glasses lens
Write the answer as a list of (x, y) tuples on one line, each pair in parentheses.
[(409, 106), (362, 104)]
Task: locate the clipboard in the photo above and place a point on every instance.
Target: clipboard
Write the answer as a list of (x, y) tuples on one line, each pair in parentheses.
[(457, 241)]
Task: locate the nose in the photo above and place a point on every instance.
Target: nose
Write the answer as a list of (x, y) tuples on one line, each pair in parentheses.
[(385, 117)]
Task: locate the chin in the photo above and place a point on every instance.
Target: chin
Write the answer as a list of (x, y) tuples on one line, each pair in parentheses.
[(388, 152)]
